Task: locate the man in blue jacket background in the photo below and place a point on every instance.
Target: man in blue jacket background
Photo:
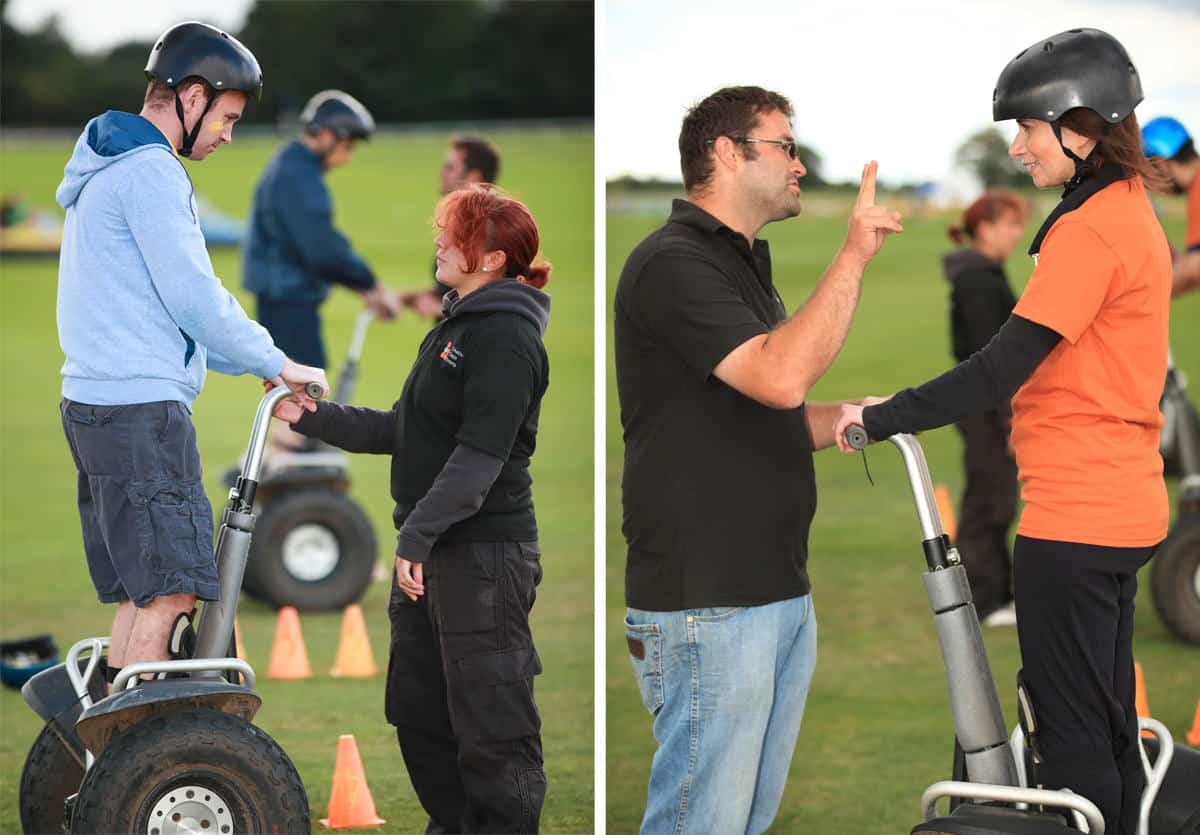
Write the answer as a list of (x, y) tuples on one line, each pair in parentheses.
[(294, 254), (141, 316)]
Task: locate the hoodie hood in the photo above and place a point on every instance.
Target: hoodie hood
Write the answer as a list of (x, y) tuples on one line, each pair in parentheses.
[(960, 261), (107, 138), (507, 295)]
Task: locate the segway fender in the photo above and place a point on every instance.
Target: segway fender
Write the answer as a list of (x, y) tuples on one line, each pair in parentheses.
[(52, 697), (109, 717)]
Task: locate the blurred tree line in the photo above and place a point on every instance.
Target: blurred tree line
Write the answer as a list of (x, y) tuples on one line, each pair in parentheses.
[(985, 153), (416, 61)]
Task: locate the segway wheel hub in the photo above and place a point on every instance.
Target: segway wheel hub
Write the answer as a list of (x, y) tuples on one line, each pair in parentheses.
[(190, 810), (310, 552)]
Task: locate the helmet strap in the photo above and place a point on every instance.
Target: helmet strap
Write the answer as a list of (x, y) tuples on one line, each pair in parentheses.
[(1083, 165), (189, 137)]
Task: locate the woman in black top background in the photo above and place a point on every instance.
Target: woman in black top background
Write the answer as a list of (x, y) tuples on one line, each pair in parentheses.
[(980, 302)]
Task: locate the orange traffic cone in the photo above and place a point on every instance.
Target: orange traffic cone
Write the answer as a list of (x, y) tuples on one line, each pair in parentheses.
[(1140, 703), (350, 803), (289, 658), (237, 639), (354, 658), (946, 510), (1193, 736)]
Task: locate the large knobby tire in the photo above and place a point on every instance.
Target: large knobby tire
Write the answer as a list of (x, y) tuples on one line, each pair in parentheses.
[(313, 549), (192, 771), (1175, 579), (52, 773)]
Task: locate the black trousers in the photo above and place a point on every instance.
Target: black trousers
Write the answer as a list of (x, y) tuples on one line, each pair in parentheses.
[(1075, 626), (460, 688), (989, 504)]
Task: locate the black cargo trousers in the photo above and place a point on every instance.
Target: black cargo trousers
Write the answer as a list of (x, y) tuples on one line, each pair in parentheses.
[(460, 688)]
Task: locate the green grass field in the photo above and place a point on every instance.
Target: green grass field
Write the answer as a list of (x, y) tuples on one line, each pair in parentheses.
[(384, 202), (877, 728)]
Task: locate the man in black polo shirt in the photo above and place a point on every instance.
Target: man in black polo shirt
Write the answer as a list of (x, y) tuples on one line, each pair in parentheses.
[(718, 485)]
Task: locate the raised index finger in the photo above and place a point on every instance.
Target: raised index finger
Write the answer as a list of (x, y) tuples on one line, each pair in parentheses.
[(866, 190)]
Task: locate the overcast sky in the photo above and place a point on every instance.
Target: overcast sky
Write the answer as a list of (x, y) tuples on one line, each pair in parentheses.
[(92, 26), (902, 81)]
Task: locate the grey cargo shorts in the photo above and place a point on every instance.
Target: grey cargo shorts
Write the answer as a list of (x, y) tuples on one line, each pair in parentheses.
[(147, 524)]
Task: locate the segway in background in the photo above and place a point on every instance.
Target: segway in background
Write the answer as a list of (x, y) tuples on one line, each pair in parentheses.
[(314, 547), (988, 793), (176, 753), (1175, 569)]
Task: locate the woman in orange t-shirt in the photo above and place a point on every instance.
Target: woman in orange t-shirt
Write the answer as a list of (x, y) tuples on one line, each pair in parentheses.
[(1083, 358)]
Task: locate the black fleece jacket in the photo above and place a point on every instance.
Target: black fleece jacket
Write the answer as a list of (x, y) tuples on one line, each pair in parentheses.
[(463, 431)]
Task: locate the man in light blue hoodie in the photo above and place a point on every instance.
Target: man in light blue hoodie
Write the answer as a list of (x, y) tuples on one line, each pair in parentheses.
[(141, 316)]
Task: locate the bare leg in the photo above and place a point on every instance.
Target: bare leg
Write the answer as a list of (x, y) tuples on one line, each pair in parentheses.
[(152, 625), (121, 627)]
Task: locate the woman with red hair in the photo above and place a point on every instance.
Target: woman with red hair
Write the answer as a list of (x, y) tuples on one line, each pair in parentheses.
[(462, 659)]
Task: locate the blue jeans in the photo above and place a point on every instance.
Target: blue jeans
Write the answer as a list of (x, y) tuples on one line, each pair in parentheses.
[(726, 688)]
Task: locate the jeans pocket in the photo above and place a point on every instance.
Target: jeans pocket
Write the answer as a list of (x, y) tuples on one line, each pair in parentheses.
[(174, 525), (714, 614), (645, 653)]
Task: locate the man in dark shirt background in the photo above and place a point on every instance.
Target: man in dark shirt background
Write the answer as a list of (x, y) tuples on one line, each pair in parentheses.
[(718, 487), (469, 160)]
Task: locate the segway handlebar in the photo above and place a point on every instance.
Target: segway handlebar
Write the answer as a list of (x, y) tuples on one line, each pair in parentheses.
[(918, 477), (262, 425), (856, 436), (344, 388)]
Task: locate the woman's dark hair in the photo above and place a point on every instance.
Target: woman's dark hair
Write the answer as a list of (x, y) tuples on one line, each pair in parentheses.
[(732, 112), (1120, 143), (990, 207), (479, 219)]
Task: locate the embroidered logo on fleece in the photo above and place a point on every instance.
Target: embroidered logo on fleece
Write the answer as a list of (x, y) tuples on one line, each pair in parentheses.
[(450, 355)]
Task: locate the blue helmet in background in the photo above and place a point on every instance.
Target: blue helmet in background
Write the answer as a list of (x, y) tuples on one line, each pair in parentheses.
[(1164, 137)]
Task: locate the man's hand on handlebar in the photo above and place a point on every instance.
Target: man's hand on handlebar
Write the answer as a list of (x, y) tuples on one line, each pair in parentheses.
[(296, 377), (383, 302), (851, 413), (425, 303)]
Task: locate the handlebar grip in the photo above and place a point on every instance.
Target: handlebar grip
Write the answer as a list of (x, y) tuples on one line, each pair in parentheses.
[(314, 390), (857, 437)]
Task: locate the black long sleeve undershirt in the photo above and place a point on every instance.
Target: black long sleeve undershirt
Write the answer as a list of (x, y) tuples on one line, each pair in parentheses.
[(352, 428), (986, 380)]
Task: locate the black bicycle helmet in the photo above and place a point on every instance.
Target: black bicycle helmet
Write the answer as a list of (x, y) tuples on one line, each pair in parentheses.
[(194, 49), (339, 112), (1077, 68)]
